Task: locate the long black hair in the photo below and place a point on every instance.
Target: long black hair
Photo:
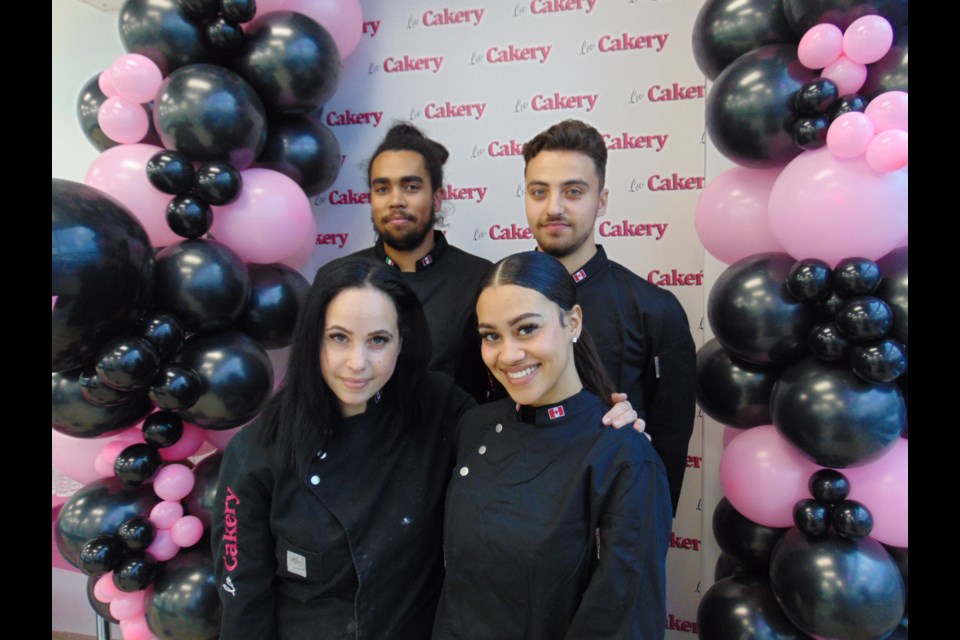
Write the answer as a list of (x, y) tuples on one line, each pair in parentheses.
[(546, 275), (305, 412)]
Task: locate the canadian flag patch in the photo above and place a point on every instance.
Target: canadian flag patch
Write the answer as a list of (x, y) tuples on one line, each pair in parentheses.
[(579, 275), (427, 260), (555, 412)]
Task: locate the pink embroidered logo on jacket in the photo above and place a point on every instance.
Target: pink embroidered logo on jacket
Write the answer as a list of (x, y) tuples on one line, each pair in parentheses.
[(230, 523)]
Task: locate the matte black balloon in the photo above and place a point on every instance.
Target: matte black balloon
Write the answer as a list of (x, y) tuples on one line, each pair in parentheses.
[(727, 566), (893, 290), (127, 363), (828, 344), (754, 316), (96, 392), (804, 14), (816, 97), (136, 573), (101, 554), (170, 172), (809, 280), (218, 183), (889, 73), (743, 608), (189, 216), (749, 118), (749, 543), (137, 464), (829, 486), (731, 391), (291, 61), (98, 507), (102, 608), (277, 291), (852, 520), (811, 517), (837, 588), (210, 113), (846, 104), (103, 272), (88, 111), (237, 11), (185, 602), (880, 361), (864, 318), (162, 429), (810, 132), (856, 277), (137, 533), (201, 8), (203, 283), (303, 149), (158, 30), (225, 37), (835, 417), (203, 497), (829, 307), (237, 379), (163, 331), (175, 387), (75, 416)]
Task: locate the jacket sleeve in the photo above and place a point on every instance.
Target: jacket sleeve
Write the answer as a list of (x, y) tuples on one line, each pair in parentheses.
[(243, 550)]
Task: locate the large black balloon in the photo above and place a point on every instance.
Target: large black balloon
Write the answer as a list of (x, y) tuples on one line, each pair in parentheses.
[(276, 293), (749, 108), (203, 283), (803, 14), (88, 111), (237, 379), (731, 391), (747, 542), (158, 30), (893, 290), (727, 566), (835, 417), (185, 602), (304, 149), (754, 316), (743, 608), (203, 496), (208, 112), (837, 588), (97, 508), (103, 271), (291, 61), (76, 416), (889, 73)]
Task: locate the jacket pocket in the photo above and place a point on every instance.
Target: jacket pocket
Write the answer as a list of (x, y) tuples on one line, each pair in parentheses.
[(299, 571)]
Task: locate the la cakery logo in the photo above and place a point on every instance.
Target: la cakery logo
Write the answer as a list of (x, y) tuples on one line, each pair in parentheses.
[(689, 544), (445, 16), (447, 109), (394, 64), (679, 624), (336, 239), (514, 53), (337, 197), (451, 192), (557, 101), (675, 278), (513, 232), (675, 91), (541, 7), (627, 42), (628, 141), (627, 229), (674, 182), (349, 118), (503, 149)]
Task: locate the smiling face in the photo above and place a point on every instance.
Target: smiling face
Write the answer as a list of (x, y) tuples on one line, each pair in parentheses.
[(360, 346), (402, 200), (525, 345)]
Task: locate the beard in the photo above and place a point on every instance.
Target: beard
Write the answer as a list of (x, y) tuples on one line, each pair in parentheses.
[(409, 239)]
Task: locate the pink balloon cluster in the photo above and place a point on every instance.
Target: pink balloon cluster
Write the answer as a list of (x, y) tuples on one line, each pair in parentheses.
[(844, 56), (880, 132), (128, 608), (131, 81)]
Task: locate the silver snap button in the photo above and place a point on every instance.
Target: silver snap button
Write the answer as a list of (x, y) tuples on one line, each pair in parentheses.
[(499, 428), (464, 471), (315, 480), (483, 450)]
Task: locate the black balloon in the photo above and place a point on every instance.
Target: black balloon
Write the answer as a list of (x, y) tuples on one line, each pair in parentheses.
[(103, 272), (135, 573), (203, 283), (127, 363), (276, 293), (189, 216), (863, 318), (749, 115), (846, 104), (804, 14), (170, 172), (837, 588), (743, 608), (96, 392), (893, 290), (75, 416), (828, 344), (835, 417), (816, 97), (731, 391), (201, 8), (754, 316), (137, 533), (138, 464), (162, 429), (158, 30), (889, 73), (856, 277), (88, 111), (810, 132), (727, 566), (184, 602), (747, 542), (304, 149), (812, 517), (829, 486), (829, 307), (225, 37), (899, 556), (237, 11), (203, 496), (102, 608), (880, 361), (101, 554), (809, 280), (237, 379), (291, 61), (218, 183), (210, 113), (175, 387), (163, 331), (851, 520)]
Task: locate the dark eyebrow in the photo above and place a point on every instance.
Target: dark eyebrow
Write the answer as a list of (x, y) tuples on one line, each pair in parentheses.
[(569, 183), (514, 321), (337, 327), (402, 179)]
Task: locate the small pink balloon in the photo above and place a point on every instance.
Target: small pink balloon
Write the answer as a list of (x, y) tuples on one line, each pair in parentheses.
[(136, 628), (850, 134), (122, 120), (127, 605), (112, 451), (888, 111), (187, 531), (219, 439), (132, 435), (343, 19), (867, 39), (820, 45), (103, 468), (729, 433), (105, 82), (188, 444), (882, 487), (163, 547), (165, 513), (136, 78), (848, 75), (104, 589), (173, 482), (888, 151)]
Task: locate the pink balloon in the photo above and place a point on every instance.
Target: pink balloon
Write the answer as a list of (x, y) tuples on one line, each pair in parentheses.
[(173, 482), (103, 468), (136, 628), (829, 208), (820, 45), (731, 216), (268, 220), (888, 151), (763, 476), (219, 439), (187, 531), (848, 75), (121, 172), (343, 19), (729, 433), (127, 605), (112, 450), (888, 111), (136, 78), (882, 486), (104, 589), (867, 39), (302, 256), (850, 134), (163, 547), (76, 457), (165, 513), (105, 82), (132, 435), (122, 120), (186, 446)]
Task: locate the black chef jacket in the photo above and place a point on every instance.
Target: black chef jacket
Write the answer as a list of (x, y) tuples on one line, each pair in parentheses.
[(643, 337), (352, 547), (522, 553)]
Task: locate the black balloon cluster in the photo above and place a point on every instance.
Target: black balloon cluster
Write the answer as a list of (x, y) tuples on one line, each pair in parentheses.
[(816, 105), (139, 463), (123, 553), (221, 21), (829, 507)]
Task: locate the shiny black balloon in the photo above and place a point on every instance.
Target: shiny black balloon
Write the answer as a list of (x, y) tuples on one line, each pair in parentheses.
[(96, 392), (88, 111), (846, 104), (102, 608), (184, 602), (175, 387), (162, 429), (889, 73), (835, 417), (828, 344), (201, 8), (837, 588), (203, 496), (743, 608), (852, 520), (816, 97), (238, 11), (812, 517), (753, 315), (170, 172), (163, 331), (804, 14), (225, 37), (809, 280), (210, 113), (203, 283), (810, 132), (277, 291), (98, 507), (138, 464), (731, 391), (749, 118), (899, 556), (75, 416), (136, 573), (893, 290), (727, 566), (304, 149), (218, 183), (102, 268), (101, 554), (158, 30), (829, 307), (856, 277), (864, 318), (829, 486), (137, 533), (127, 363), (291, 61), (237, 379), (749, 543), (189, 216), (879, 361)]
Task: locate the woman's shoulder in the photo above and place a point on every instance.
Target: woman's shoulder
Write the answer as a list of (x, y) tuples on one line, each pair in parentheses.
[(627, 446)]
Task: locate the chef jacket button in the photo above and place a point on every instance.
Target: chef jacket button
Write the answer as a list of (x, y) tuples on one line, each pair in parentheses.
[(483, 450), (321, 454), (499, 428), (315, 480), (464, 471)]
